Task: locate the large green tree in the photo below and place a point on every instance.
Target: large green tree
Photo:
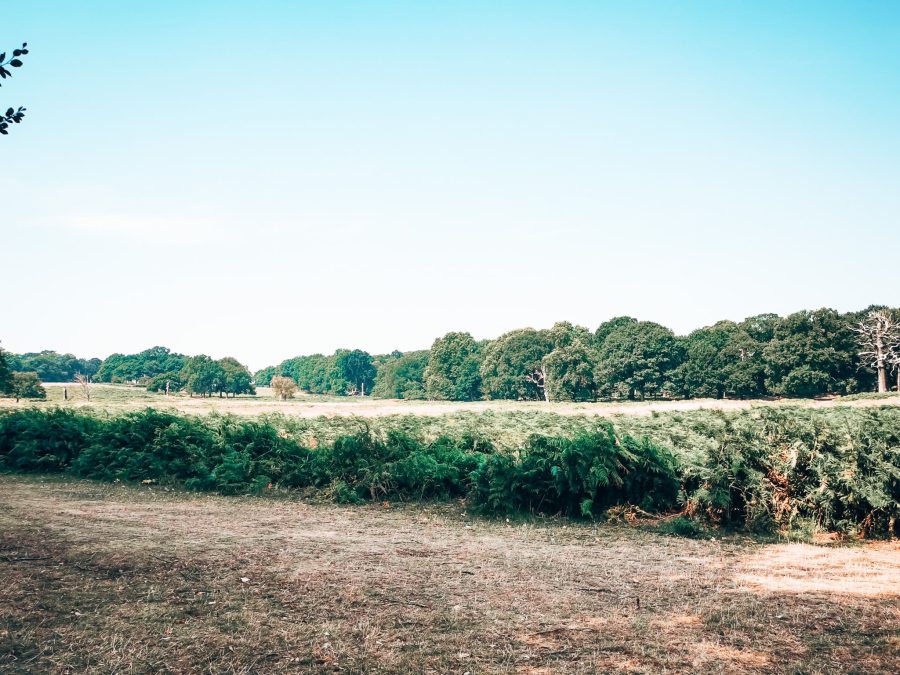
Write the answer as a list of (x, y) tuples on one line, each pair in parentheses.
[(761, 327), (569, 371), (637, 359), (202, 375), (513, 365), (745, 366), (263, 377), (607, 327), (402, 376), (721, 360), (453, 371), (357, 368), (27, 385), (236, 377), (812, 353)]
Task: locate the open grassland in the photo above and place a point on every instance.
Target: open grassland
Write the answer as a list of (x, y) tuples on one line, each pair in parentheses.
[(109, 578), (119, 397)]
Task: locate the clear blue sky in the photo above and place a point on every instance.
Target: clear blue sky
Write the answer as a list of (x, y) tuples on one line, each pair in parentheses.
[(265, 179)]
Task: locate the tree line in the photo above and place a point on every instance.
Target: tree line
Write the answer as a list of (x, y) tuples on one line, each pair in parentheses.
[(162, 370), (157, 368), (805, 354)]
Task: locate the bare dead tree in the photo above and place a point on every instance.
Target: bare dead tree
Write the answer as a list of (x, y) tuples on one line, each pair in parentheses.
[(879, 337), (85, 383), (538, 377)]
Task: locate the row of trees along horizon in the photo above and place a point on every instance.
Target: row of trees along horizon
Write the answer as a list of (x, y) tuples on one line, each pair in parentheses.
[(802, 355)]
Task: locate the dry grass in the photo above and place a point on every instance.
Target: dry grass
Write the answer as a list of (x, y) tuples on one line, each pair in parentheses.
[(108, 578), (125, 397)]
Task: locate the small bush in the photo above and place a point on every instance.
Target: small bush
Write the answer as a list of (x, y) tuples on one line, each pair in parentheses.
[(682, 526), (43, 440), (578, 477)]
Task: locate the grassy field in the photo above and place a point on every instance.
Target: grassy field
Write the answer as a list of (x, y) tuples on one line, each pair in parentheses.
[(109, 578), (118, 397), (106, 577)]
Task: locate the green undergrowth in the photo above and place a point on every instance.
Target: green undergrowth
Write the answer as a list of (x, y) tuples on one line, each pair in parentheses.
[(871, 396), (764, 470)]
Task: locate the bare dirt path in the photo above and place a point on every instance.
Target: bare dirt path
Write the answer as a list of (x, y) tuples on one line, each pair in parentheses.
[(106, 578)]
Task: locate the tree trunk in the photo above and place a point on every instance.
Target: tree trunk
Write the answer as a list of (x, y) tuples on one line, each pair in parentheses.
[(882, 380)]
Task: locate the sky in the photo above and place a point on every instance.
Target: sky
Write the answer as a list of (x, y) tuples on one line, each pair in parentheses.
[(271, 179)]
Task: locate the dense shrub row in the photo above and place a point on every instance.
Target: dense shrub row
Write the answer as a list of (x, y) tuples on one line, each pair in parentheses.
[(761, 470), (575, 476), (785, 468)]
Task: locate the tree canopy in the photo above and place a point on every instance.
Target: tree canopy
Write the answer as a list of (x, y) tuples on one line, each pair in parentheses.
[(140, 367), (569, 370), (52, 366), (453, 370), (402, 376), (357, 369), (806, 354), (811, 353), (513, 368), (637, 359), (27, 385)]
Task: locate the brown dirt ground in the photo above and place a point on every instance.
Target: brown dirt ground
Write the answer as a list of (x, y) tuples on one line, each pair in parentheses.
[(108, 578)]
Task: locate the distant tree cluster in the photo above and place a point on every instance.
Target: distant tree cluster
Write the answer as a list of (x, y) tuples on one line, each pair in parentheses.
[(161, 370), (401, 375), (203, 376), (802, 355), (344, 373), (51, 366), (142, 367), (17, 383)]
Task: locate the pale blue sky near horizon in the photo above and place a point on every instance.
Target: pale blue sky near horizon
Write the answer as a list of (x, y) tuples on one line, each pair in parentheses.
[(278, 178)]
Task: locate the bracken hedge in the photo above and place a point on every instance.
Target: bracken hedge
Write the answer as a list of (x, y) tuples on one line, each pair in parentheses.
[(763, 470)]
